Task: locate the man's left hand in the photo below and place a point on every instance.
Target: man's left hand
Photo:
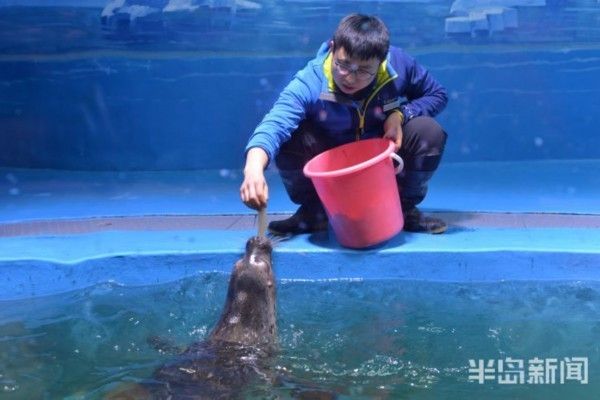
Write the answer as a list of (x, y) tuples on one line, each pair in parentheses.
[(392, 129)]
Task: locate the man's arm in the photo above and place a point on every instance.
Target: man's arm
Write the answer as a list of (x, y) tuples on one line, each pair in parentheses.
[(275, 128), (424, 94), (286, 114)]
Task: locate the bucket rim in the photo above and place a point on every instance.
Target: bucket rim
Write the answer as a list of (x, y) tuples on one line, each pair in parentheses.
[(356, 167)]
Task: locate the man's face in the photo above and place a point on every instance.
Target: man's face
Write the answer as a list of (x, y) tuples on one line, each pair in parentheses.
[(351, 74)]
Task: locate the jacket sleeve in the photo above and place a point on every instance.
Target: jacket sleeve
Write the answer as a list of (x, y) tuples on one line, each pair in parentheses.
[(285, 115), (424, 95)]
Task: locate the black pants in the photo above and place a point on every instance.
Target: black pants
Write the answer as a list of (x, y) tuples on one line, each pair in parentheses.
[(422, 148)]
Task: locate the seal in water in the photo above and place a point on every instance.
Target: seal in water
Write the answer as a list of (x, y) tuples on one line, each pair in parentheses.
[(237, 354), (238, 350)]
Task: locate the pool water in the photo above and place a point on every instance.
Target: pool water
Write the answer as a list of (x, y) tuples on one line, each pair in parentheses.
[(371, 339)]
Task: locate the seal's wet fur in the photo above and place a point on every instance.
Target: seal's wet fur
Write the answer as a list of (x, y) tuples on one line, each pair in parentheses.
[(249, 315), (239, 347), (238, 350), (237, 354)]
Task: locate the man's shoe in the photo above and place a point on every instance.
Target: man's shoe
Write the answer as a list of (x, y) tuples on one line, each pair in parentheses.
[(308, 218), (416, 221)]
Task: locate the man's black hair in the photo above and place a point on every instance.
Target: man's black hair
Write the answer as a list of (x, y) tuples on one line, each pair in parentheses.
[(363, 37)]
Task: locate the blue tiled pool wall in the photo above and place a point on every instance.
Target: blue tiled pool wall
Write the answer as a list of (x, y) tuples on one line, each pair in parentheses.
[(94, 86)]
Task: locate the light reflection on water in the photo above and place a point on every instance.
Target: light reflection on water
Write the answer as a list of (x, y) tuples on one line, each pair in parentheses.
[(362, 339)]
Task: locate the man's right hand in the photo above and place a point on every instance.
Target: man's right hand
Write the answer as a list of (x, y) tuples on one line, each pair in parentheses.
[(254, 191)]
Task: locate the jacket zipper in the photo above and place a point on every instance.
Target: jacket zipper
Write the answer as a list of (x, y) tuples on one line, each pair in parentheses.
[(361, 115)]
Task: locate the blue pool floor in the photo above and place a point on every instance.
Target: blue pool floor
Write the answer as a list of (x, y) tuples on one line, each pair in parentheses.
[(66, 229)]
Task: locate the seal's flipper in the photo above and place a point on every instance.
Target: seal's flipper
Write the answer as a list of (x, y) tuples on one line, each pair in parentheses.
[(164, 345), (304, 390), (129, 391)]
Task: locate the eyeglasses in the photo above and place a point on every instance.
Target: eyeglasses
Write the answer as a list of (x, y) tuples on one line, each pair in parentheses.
[(347, 69)]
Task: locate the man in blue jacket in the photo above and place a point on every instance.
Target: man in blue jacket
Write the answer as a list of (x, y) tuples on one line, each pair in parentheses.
[(357, 87)]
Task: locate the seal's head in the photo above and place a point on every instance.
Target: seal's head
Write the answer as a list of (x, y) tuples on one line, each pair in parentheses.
[(249, 313)]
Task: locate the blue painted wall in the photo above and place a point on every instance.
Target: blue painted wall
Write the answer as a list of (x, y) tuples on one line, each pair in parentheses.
[(159, 84)]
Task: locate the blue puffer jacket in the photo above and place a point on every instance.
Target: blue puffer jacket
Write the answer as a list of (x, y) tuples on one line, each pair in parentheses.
[(401, 84)]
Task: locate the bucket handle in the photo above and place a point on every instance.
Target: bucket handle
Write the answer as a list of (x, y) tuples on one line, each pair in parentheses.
[(398, 159)]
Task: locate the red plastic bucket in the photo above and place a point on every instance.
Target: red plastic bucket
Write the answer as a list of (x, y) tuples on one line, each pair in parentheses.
[(357, 185)]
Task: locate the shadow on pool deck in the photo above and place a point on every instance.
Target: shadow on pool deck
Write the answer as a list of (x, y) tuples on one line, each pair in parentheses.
[(507, 221)]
